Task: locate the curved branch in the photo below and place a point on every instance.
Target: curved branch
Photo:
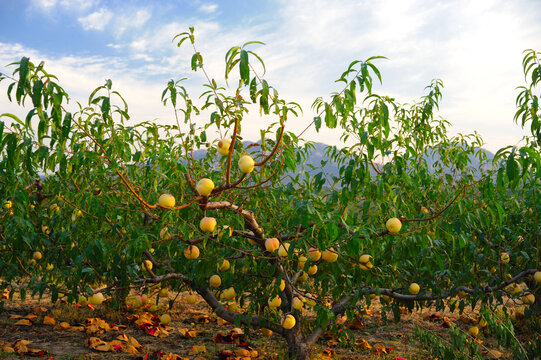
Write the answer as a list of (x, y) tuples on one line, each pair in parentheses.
[(341, 305), (231, 147), (262, 182), (219, 309), (276, 146), (248, 216), (439, 213), (374, 167), (234, 318)]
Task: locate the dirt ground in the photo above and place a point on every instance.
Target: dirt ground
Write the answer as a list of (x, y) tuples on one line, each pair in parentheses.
[(192, 326)]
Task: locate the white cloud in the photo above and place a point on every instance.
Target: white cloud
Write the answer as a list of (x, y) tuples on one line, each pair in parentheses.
[(72, 5), (131, 20), (46, 4), (96, 20), (475, 47), (80, 5), (208, 8), (79, 75)]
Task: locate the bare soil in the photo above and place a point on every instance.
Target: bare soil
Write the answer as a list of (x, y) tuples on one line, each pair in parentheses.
[(368, 337)]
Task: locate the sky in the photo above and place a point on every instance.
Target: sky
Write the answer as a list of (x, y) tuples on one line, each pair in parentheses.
[(474, 46)]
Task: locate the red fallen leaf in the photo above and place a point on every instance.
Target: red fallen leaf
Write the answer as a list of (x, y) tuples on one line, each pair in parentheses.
[(223, 339), (399, 358), (380, 349), (329, 352)]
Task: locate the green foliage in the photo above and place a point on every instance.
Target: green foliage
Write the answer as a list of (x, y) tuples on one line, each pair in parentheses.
[(459, 347), (93, 213)]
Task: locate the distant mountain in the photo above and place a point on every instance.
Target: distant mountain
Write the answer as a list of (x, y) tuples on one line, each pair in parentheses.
[(318, 156)]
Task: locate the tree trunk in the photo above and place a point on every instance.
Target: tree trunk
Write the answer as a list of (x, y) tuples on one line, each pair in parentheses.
[(296, 344)]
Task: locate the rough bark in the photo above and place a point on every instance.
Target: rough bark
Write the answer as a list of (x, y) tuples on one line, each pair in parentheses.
[(296, 344)]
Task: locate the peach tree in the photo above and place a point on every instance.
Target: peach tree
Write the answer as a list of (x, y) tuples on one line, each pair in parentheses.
[(96, 204)]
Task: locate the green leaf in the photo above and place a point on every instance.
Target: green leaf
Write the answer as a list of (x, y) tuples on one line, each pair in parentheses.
[(244, 67), (512, 168), (23, 69), (330, 119), (37, 93), (194, 62), (91, 97), (29, 118), (260, 60), (105, 107), (66, 126), (253, 90), (14, 117), (41, 130), (317, 122)]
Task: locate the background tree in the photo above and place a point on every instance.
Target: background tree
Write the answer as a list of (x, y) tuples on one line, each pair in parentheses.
[(94, 205)]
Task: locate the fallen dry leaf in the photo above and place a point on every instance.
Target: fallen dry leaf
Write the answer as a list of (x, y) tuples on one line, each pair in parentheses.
[(234, 336), (326, 354), (21, 348), (123, 343), (188, 334), (24, 322), (47, 320), (115, 327), (237, 331), (98, 344), (96, 326), (380, 349), (152, 325), (247, 352), (5, 347), (39, 310), (363, 344), (62, 326), (203, 318), (197, 349), (130, 340), (163, 356), (4, 294)]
